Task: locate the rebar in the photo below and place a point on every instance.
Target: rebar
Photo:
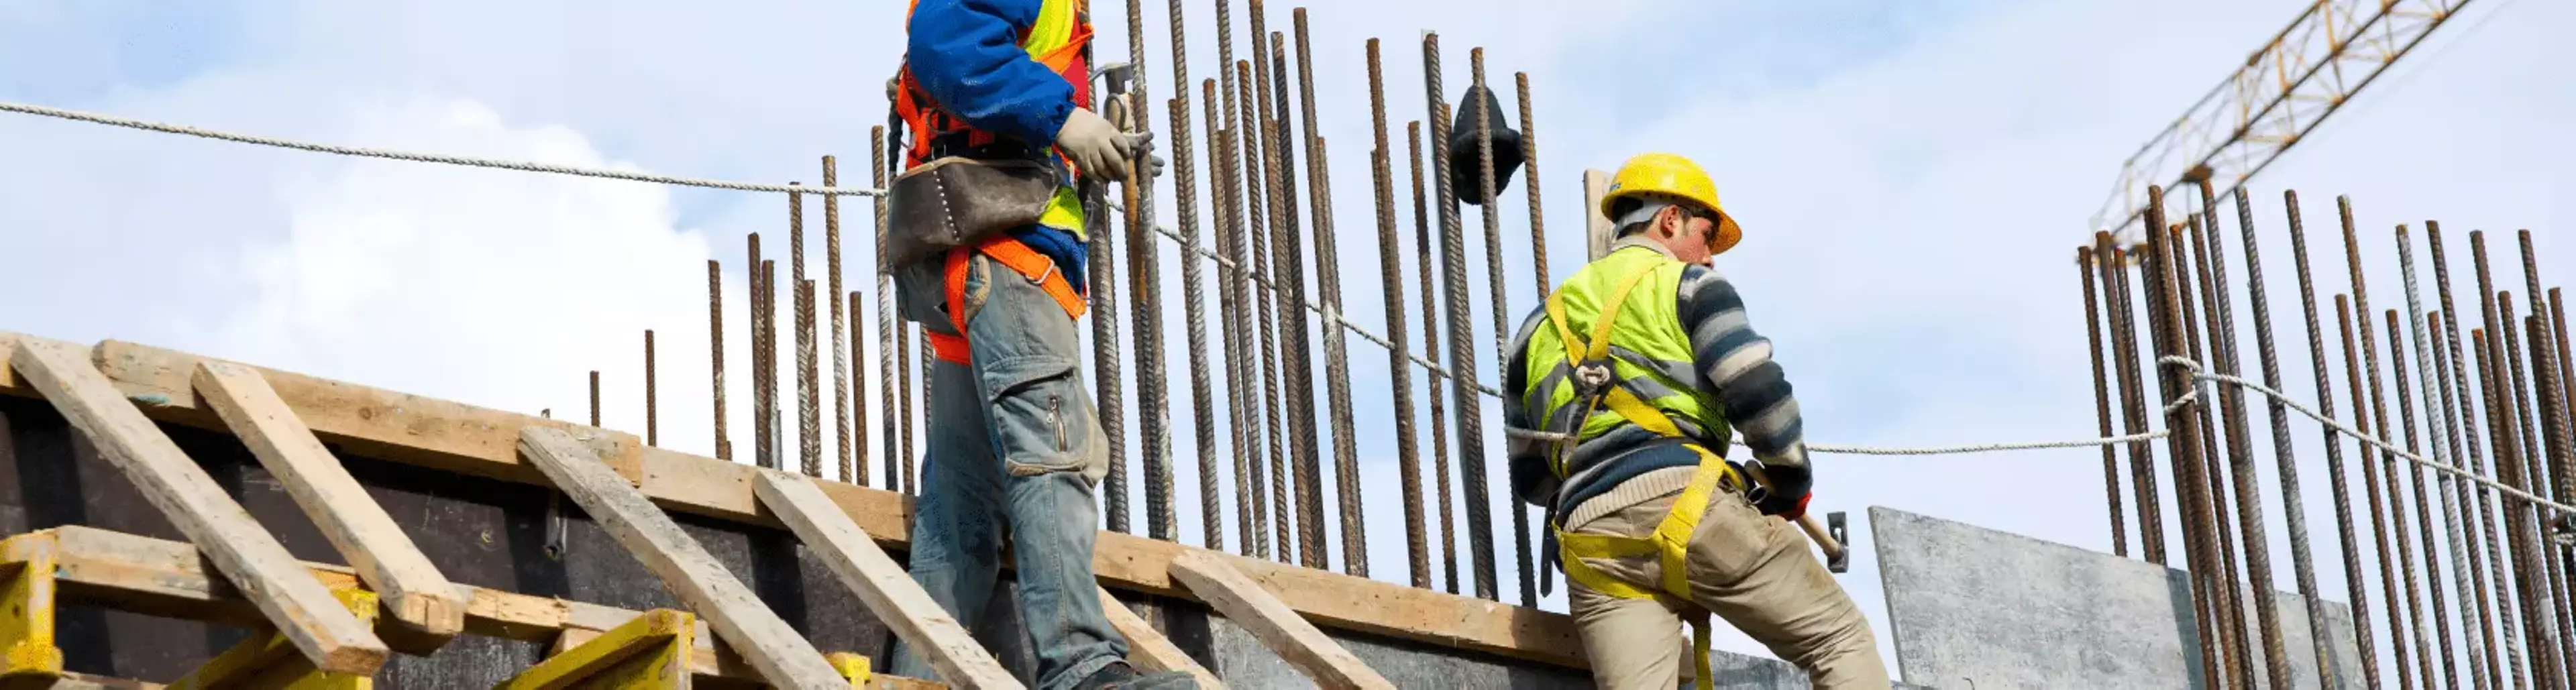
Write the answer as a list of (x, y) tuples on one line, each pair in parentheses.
[(2462, 419), (2506, 430), (1328, 283), (1101, 270), (854, 465), (2398, 618), (809, 411), (715, 350), (2164, 291), (2436, 438), (840, 334), (2208, 477), (652, 407), (1422, 250), (594, 397), (760, 380), (2550, 470), (809, 417), (2497, 633), (1391, 286), (1462, 351), (1293, 347), (1256, 244), (1229, 221), (2539, 619), (2102, 399), (1193, 301), (1152, 413), (2293, 502), (2509, 471), (2450, 673), (2240, 445), (769, 423), (2388, 571), (2133, 416), (1239, 365), (1194, 314), (1529, 179), (1521, 560), (2552, 630), (2354, 580), (888, 342)]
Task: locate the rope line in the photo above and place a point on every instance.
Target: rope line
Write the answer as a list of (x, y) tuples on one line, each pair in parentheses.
[(2383, 445), (1331, 317), (470, 161)]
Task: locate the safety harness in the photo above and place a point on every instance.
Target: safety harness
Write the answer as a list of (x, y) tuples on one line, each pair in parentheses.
[(1060, 39), (1597, 385), (1011, 254)]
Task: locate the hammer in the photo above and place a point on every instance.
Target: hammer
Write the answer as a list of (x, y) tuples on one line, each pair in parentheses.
[(1830, 536)]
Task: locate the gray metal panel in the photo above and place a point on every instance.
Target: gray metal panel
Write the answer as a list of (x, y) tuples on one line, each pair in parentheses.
[(1974, 607)]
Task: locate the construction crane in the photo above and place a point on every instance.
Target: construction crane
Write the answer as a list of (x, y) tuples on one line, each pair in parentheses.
[(2286, 88)]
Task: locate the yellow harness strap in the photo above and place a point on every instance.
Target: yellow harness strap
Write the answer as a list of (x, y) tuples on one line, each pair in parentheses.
[(1671, 539)]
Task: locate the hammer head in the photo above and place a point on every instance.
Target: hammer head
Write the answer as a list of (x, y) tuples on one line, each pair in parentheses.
[(1840, 561)]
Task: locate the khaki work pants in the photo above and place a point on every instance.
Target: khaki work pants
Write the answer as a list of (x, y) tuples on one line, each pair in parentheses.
[(1754, 571)]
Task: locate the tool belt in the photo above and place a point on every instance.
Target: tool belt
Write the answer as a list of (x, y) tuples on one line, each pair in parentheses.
[(958, 202), (1010, 253)]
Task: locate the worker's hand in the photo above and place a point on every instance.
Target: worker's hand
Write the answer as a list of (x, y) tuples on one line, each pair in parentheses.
[(1789, 508), (1103, 152)]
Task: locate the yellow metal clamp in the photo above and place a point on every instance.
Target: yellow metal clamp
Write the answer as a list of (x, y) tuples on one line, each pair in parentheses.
[(650, 650), (27, 651), (269, 660)]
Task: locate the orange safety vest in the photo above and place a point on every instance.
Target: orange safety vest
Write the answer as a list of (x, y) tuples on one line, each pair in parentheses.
[(1059, 39)]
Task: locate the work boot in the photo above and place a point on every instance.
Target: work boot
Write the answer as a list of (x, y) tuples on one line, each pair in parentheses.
[(1118, 675), (1466, 159)]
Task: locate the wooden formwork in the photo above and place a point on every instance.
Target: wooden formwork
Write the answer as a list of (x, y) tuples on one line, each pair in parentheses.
[(335, 625)]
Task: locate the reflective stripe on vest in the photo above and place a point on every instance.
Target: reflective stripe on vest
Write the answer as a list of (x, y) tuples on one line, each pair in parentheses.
[(1059, 39)]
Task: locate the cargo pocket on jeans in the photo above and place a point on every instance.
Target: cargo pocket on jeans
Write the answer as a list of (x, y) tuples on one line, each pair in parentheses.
[(1040, 422)]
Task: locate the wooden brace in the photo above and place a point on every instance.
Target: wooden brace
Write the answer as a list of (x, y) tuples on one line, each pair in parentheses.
[(269, 660)]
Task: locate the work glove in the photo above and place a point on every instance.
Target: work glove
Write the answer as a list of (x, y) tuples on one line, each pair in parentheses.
[(1789, 487), (1097, 147)]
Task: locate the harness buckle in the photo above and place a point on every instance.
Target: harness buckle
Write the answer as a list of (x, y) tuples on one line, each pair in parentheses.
[(1590, 378)]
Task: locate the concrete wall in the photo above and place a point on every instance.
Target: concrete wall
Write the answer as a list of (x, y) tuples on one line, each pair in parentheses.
[(1977, 608)]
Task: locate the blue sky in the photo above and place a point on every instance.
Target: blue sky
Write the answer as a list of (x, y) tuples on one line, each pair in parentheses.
[(1912, 177)]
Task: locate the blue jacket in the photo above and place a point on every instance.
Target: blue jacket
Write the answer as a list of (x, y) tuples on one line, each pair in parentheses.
[(967, 55)]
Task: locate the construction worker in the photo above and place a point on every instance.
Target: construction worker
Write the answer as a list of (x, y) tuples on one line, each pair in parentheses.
[(1620, 393), (993, 95)]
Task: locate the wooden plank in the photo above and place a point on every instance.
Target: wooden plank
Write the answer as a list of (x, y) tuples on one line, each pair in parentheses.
[(168, 578), (410, 587), (785, 658), (10, 382), (469, 440), (880, 583), (243, 550), (1597, 230), (369, 421), (1248, 605), (1148, 648)]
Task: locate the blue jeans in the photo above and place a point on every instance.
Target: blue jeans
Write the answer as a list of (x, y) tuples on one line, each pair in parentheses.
[(1014, 443)]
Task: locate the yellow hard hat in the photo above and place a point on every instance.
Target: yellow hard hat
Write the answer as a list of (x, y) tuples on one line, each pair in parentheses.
[(1668, 174)]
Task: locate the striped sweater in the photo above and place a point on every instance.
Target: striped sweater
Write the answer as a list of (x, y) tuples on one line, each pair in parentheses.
[(1732, 365)]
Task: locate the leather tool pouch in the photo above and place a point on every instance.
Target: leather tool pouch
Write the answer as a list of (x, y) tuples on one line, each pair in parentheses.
[(957, 202)]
